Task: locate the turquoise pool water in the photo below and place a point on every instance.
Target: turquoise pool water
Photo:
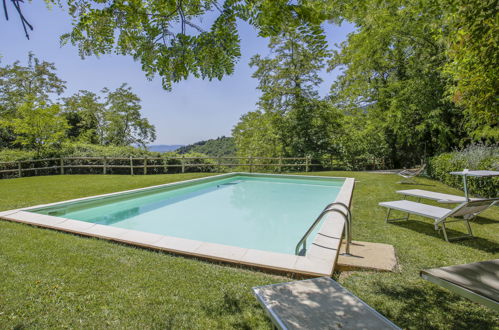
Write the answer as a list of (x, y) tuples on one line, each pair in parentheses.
[(265, 213)]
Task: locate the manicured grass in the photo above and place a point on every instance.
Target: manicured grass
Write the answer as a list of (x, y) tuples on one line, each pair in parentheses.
[(53, 279)]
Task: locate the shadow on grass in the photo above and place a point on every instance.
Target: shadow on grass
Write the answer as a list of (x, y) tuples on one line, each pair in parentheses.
[(484, 221), (428, 307), (426, 228), (412, 184), (231, 303)]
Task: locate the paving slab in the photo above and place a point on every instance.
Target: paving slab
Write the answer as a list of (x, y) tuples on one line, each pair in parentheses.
[(34, 219), (139, 237), (6, 213), (220, 251), (103, 231), (319, 303), (269, 259), (367, 255), (75, 226)]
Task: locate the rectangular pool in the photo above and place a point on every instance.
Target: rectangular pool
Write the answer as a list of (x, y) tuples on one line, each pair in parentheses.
[(244, 218), (257, 212)]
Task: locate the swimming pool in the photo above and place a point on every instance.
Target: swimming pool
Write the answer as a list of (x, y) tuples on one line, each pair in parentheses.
[(232, 215)]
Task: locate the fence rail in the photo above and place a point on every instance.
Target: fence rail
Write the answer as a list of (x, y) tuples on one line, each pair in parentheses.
[(137, 165)]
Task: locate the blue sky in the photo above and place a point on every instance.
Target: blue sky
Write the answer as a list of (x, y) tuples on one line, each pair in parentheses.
[(195, 110)]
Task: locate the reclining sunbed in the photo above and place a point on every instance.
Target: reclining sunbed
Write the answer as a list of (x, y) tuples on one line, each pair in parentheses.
[(319, 303), (478, 281), (409, 175), (435, 196), (463, 212)]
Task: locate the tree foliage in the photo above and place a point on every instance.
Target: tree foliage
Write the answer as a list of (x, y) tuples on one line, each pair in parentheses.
[(393, 71), (28, 99), (472, 49), (418, 77), (219, 147), (84, 112), (123, 123), (391, 100), (178, 38), (291, 119), (38, 127), (36, 84)]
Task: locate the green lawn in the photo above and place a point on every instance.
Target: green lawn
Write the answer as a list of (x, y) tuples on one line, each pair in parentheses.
[(54, 279)]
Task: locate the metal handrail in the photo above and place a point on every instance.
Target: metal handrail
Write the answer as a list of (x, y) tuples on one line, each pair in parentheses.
[(348, 223), (349, 220)]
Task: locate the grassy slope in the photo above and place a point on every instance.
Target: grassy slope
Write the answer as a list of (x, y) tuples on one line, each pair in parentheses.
[(50, 279)]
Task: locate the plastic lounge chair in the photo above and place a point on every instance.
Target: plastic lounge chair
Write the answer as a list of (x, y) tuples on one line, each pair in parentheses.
[(463, 212), (435, 196), (319, 303), (478, 281), (409, 175)]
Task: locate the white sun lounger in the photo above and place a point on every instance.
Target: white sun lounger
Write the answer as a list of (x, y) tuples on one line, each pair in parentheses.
[(464, 211), (478, 281), (409, 175), (435, 196), (319, 303)]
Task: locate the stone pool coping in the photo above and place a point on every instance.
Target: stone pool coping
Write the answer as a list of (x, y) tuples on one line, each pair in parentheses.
[(320, 259)]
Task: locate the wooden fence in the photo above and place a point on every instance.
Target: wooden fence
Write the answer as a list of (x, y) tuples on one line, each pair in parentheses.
[(150, 165)]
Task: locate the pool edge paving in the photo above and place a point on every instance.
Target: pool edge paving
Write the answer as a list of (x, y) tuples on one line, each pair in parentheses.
[(320, 259)]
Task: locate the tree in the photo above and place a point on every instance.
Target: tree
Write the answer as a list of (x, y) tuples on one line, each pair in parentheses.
[(219, 147), (256, 135), (171, 38), (38, 127), (473, 41), (292, 73), (115, 121), (296, 121), (84, 113), (35, 83), (393, 67), (122, 121)]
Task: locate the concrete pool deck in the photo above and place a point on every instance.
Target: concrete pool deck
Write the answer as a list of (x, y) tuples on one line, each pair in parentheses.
[(320, 259)]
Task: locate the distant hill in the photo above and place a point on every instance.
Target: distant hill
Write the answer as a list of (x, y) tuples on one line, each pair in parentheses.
[(222, 146), (163, 147)]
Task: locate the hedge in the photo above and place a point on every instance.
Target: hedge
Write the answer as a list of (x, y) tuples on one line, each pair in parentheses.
[(474, 157), (89, 150)]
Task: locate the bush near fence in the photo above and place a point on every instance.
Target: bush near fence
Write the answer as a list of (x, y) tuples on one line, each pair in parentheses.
[(90, 159), (474, 157), (80, 158)]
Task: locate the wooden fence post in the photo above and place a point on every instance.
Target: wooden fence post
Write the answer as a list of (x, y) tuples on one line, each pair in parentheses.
[(131, 165), (165, 165), (306, 163), (218, 162), (19, 169), (251, 164), (61, 161), (104, 161), (145, 165), (183, 164), (280, 164)]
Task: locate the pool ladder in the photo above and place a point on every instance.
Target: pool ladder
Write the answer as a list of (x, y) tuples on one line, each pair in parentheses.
[(348, 231)]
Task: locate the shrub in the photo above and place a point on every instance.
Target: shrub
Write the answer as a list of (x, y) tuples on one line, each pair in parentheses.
[(14, 155), (205, 165), (473, 157)]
